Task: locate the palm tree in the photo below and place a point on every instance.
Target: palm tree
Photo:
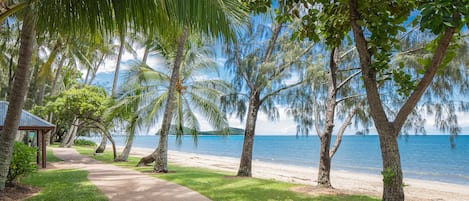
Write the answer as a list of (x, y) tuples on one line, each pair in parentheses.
[(79, 18), (20, 84), (192, 95)]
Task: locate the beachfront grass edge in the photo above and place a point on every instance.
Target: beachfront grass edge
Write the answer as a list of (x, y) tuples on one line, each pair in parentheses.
[(218, 185)]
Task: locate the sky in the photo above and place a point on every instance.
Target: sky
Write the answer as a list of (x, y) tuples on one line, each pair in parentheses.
[(283, 126)]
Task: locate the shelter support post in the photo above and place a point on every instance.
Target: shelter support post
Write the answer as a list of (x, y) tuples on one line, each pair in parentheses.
[(43, 147)]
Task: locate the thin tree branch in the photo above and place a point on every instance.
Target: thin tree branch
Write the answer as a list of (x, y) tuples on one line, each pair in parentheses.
[(427, 78), (316, 113), (344, 126), (347, 97), (280, 90), (347, 80)]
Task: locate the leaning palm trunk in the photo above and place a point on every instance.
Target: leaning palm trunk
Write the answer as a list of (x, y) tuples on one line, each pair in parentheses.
[(13, 115), (102, 145), (69, 134), (118, 63), (108, 135), (128, 146), (130, 140), (160, 155), (73, 135)]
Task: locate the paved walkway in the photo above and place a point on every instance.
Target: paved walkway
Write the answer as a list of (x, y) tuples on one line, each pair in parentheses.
[(124, 184)]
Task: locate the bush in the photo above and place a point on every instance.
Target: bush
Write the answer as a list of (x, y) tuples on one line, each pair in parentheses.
[(23, 162), (84, 142)]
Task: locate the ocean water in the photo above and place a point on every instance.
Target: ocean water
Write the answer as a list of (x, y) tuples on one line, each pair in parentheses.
[(423, 157)]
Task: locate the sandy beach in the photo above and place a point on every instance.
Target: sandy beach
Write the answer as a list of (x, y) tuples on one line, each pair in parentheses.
[(348, 182)]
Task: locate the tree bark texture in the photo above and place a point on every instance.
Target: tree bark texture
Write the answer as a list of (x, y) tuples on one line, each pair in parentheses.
[(118, 64), (102, 145), (57, 75), (245, 165), (109, 137), (161, 154), (324, 169), (69, 134), (73, 134), (20, 85), (128, 144)]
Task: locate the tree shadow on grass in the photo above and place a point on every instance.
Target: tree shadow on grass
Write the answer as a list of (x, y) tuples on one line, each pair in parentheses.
[(222, 186), (67, 184)]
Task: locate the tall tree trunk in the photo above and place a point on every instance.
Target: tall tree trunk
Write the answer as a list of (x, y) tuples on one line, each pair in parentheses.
[(73, 135), (130, 139), (57, 75), (118, 64), (245, 165), (340, 133), (392, 171), (45, 68), (20, 85), (68, 135), (42, 92), (102, 145), (108, 135), (324, 169), (145, 54), (161, 155), (86, 76)]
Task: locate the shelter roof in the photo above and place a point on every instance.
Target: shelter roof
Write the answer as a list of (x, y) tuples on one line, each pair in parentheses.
[(28, 121)]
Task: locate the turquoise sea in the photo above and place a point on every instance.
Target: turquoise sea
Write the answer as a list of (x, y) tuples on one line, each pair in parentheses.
[(427, 157)]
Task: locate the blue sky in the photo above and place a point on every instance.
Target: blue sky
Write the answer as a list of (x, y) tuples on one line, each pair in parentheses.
[(284, 126)]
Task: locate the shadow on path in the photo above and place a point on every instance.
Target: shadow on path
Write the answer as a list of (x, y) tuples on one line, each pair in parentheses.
[(121, 184)]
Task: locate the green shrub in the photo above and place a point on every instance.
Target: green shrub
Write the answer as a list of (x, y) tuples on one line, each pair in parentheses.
[(84, 142), (23, 162)]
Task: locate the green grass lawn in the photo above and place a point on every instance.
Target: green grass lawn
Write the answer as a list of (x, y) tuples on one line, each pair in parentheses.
[(218, 185), (68, 184)]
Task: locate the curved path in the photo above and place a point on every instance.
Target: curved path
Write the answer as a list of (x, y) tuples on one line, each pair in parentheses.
[(124, 184)]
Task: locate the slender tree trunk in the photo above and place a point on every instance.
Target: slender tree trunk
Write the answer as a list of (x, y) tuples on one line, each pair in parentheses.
[(57, 75), (95, 70), (245, 165), (392, 171), (345, 124), (128, 146), (102, 145), (20, 85), (145, 54), (130, 140), (109, 137), (161, 155), (86, 76), (324, 170), (41, 94), (69, 134), (118, 64), (73, 135)]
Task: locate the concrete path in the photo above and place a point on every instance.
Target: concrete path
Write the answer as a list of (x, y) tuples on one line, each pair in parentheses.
[(124, 184)]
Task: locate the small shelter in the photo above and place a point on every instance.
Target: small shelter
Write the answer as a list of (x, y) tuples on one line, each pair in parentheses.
[(30, 122)]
